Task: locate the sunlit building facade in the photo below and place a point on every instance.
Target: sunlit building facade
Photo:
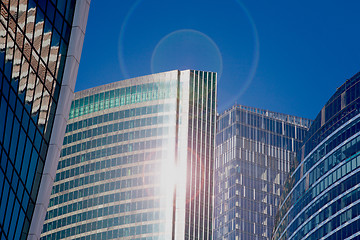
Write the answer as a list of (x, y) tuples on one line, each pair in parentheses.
[(322, 198), (40, 48), (255, 150), (137, 161)]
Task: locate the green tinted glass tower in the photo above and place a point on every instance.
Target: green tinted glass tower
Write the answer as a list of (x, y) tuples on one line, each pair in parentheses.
[(137, 161)]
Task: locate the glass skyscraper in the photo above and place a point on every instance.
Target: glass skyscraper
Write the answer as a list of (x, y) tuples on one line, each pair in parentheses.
[(137, 161), (255, 150), (40, 48), (322, 197)]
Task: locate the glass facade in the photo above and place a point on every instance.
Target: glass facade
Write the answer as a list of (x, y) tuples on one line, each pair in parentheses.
[(137, 161), (255, 150), (321, 199), (35, 38)]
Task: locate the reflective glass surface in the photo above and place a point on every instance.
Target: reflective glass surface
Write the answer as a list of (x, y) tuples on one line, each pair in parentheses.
[(254, 154), (321, 197), (34, 38), (120, 175)]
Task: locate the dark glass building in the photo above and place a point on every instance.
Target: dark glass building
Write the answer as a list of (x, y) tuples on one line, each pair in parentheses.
[(40, 47), (322, 197), (137, 161), (255, 150)]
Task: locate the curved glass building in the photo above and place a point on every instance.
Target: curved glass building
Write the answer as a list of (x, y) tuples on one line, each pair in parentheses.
[(137, 161), (322, 199), (254, 152), (40, 49)]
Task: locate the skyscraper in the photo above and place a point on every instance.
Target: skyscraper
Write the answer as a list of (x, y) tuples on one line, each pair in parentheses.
[(254, 152), (40, 48), (137, 161), (322, 199)]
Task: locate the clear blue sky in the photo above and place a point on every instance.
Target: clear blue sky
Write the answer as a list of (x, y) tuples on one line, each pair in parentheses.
[(284, 56)]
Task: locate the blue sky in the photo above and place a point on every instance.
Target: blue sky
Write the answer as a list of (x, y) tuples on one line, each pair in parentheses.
[(284, 56)]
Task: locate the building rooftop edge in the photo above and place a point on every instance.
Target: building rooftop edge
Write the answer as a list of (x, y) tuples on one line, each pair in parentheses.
[(304, 122), (108, 86), (124, 82)]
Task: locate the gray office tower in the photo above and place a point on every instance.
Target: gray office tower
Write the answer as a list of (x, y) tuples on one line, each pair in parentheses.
[(40, 48), (255, 150)]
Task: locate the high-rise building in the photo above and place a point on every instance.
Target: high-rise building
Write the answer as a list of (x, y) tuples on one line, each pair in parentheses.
[(255, 150), (40, 48), (322, 197), (137, 161)]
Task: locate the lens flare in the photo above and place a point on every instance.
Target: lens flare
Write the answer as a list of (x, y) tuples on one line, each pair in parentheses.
[(255, 60), (188, 49), (155, 64)]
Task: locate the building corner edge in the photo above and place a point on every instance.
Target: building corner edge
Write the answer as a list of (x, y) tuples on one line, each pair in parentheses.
[(62, 114)]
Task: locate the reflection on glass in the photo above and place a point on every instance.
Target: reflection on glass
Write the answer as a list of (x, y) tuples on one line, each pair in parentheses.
[(136, 161), (33, 43), (321, 198), (33, 52)]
